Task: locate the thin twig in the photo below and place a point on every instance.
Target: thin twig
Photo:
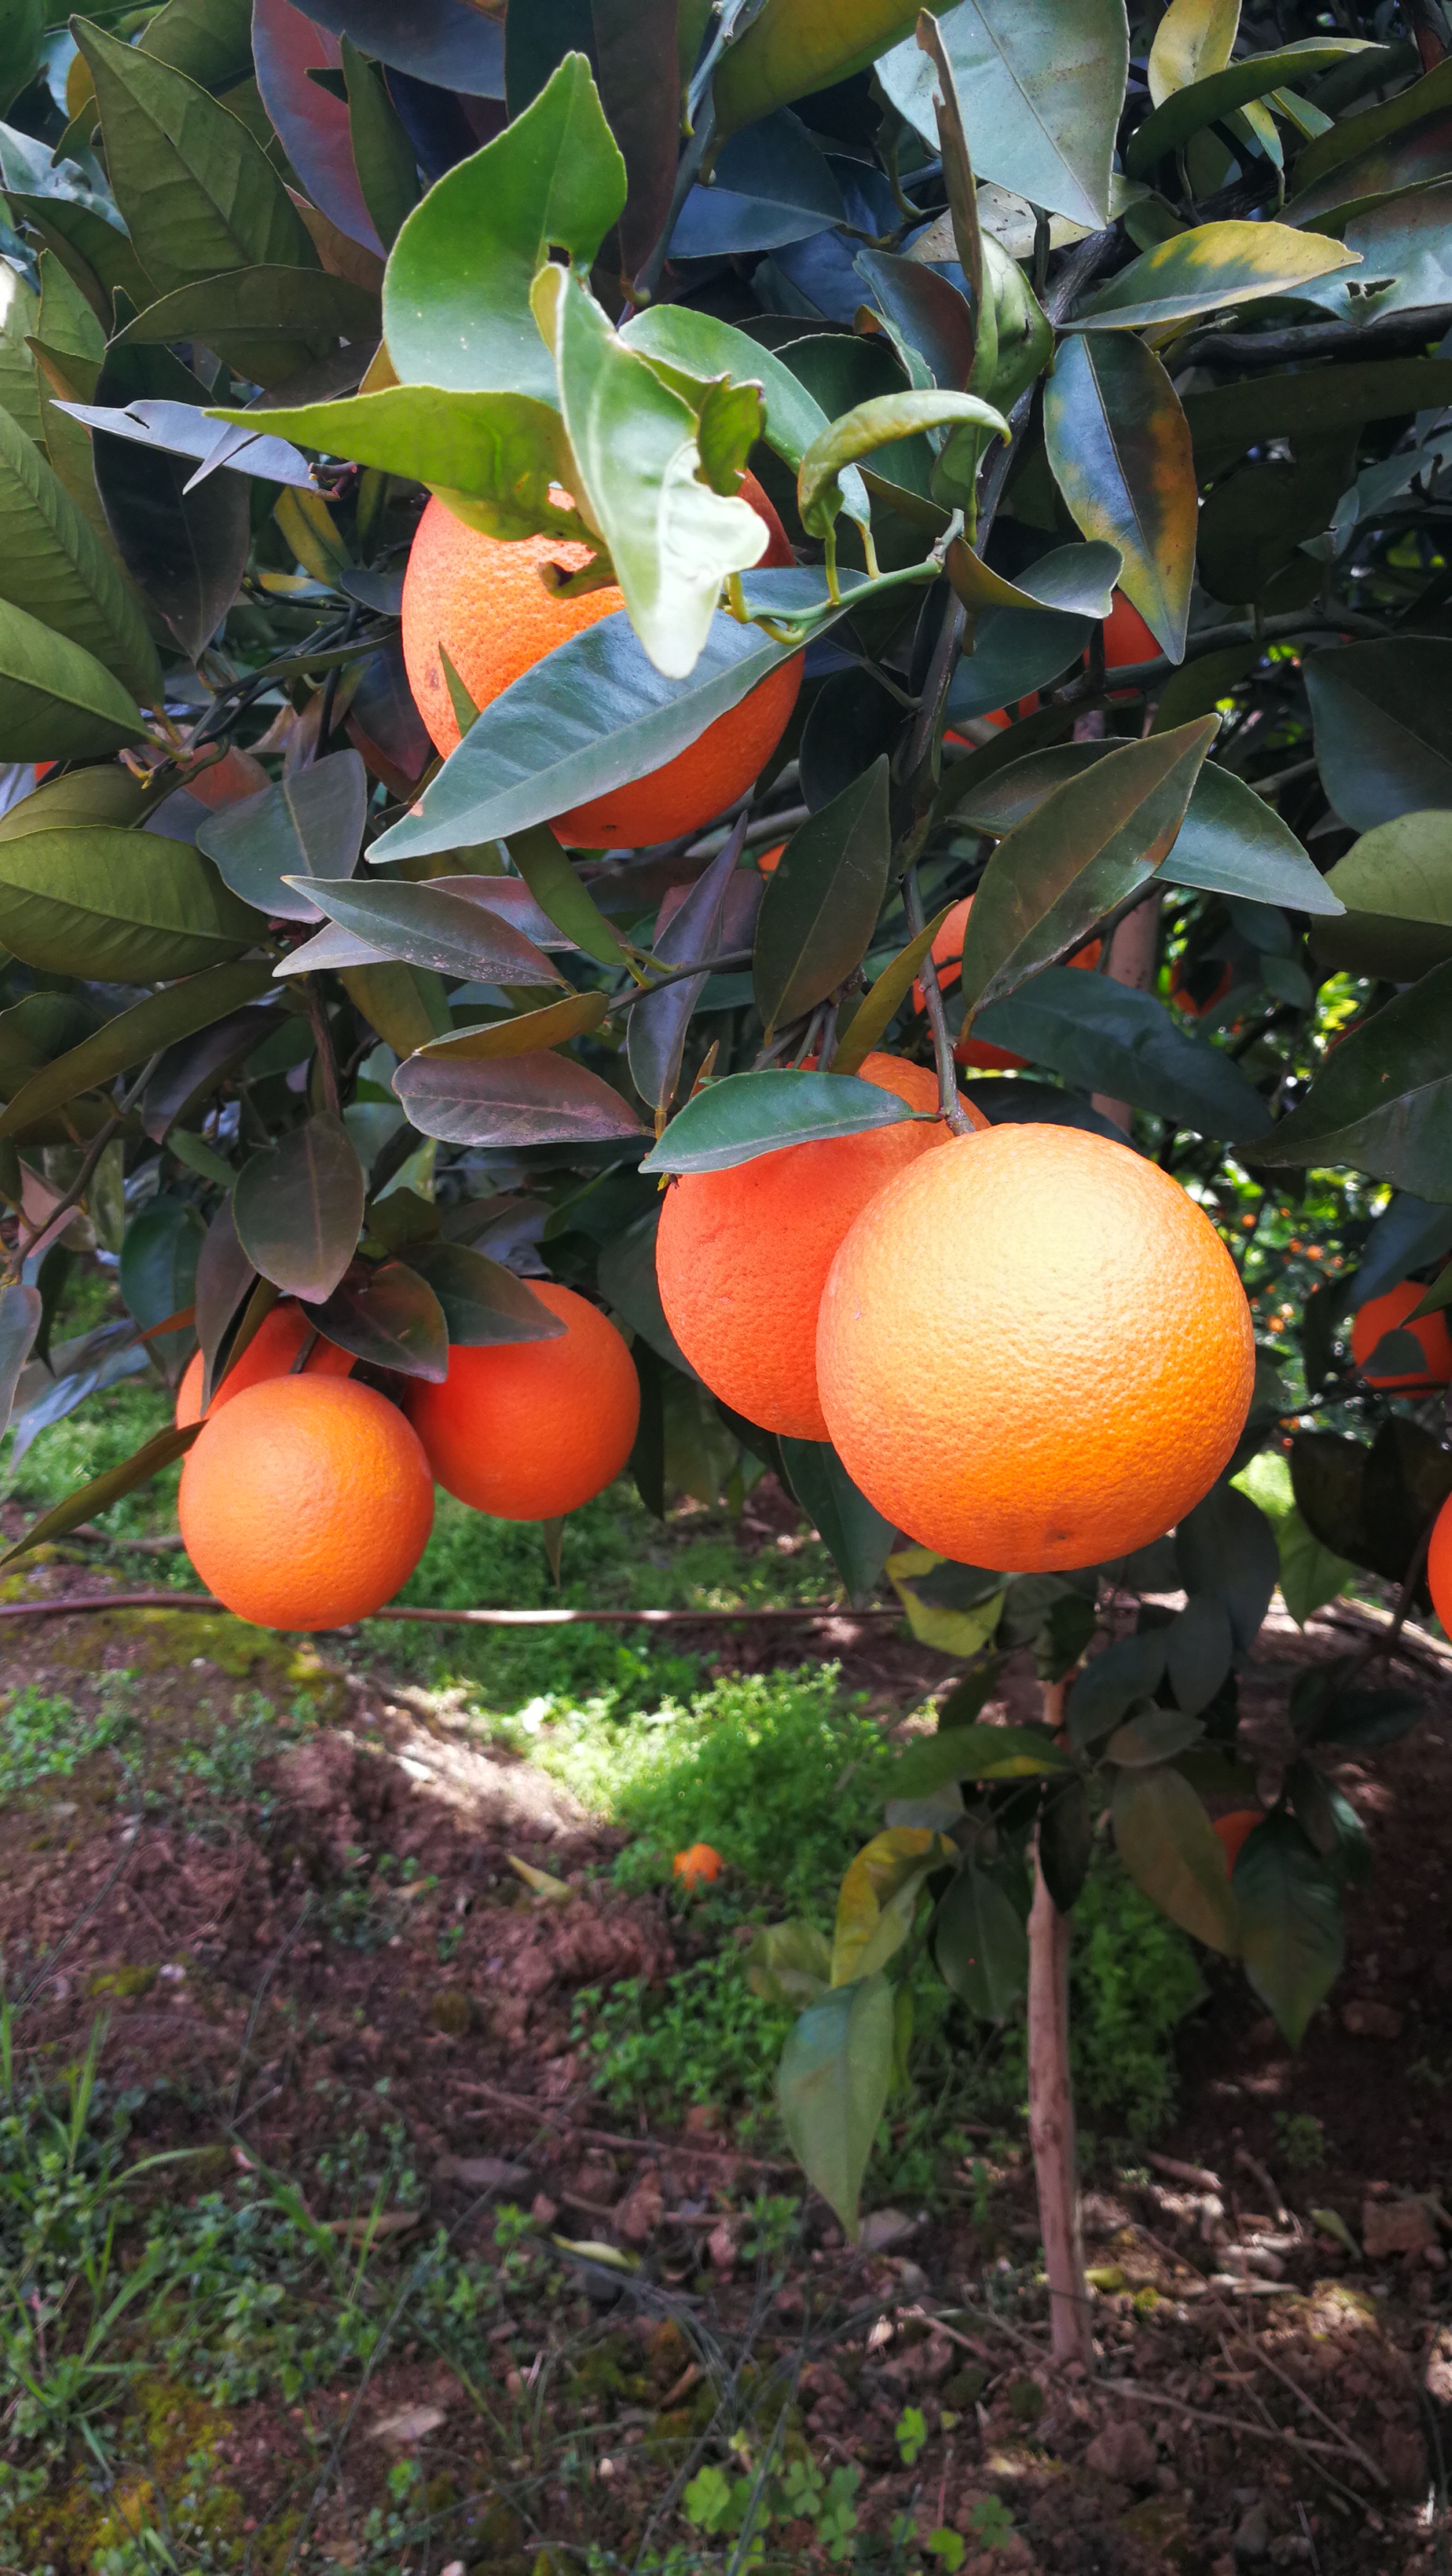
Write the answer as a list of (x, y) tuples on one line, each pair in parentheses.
[(954, 1110), (1234, 2424), (97, 1602), (553, 2118)]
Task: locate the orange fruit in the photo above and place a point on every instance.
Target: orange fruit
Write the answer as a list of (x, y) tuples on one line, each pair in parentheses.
[(482, 599), (1034, 1350), (226, 781), (697, 1867), (1388, 1314), (1232, 1831), (270, 1353), (770, 860), (948, 958), (1127, 639), (306, 1502), (530, 1430), (1183, 993), (742, 1256), (1439, 1566)]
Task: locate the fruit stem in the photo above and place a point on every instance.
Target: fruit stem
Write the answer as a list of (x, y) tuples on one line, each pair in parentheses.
[(955, 1109), (1051, 2110)]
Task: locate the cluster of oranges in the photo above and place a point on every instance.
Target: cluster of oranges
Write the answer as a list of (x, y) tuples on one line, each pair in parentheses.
[(308, 1497)]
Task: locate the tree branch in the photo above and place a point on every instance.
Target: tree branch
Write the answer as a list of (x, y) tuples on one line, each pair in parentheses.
[(1385, 335)]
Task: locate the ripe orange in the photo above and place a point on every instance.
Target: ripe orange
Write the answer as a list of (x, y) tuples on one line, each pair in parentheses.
[(696, 1867), (742, 1256), (1439, 1566), (1388, 1314), (270, 1353), (1232, 1831), (530, 1430), (484, 601), (1127, 639), (770, 860), (1184, 987), (306, 1502), (948, 958), (1034, 1350), (226, 781)]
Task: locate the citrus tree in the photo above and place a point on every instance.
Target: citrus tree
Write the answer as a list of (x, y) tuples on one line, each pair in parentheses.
[(597, 602)]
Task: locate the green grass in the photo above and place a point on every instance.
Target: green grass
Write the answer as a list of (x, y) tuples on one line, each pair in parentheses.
[(44, 1736)]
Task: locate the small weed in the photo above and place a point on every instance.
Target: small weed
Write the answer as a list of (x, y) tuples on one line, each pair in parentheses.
[(45, 1737), (911, 2433), (225, 1770), (991, 2523), (699, 2036), (1301, 2139), (745, 2507)]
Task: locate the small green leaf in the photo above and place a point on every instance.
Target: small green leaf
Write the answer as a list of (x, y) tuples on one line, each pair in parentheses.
[(748, 1114), (981, 1945), (835, 2072), (268, 323), (1193, 39), (1076, 579), (53, 566), (525, 1033), (884, 998), (1291, 1935), (562, 896), (872, 425), (822, 900), (456, 308), (1172, 1852), (1119, 445), (1396, 882), (952, 1608), (692, 348), (298, 1207)]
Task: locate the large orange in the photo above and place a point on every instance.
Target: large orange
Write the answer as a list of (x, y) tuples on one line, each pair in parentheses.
[(742, 1256), (948, 959), (1034, 1350), (482, 599), (530, 1430), (306, 1502), (270, 1353), (1388, 1314), (1439, 1566)]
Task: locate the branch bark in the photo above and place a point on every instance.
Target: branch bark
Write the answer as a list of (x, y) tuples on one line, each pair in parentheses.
[(1051, 2125)]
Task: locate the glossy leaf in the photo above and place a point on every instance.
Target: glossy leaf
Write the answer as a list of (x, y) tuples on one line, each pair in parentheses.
[(388, 1318), (884, 998), (591, 715), (852, 721), (1215, 94), (1193, 39), (783, 53), (875, 424), (1173, 1854), (878, 1897), (53, 566), (1233, 842), (1107, 1037), (501, 451), (198, 194), (456, 308), (57, 702), (483, 1303), (853, 1532), (162, 1450), (310, 824), (835, 2072), (770, 185), (1291, 1936), (130, 1038), (1381, 1101), (1076, 579), (671, 539), (1383, 720), (1043, 84), (926, 312), (1119, 446), (457, 934), (656, 1028), (822, 900), (184, 430), (748, 1114), (1014, 650), (703, 347), (298, 1206), (1092, 842), (524, 1034), (20, 1311), (511, 1101), (1210, 266), (115, 906)]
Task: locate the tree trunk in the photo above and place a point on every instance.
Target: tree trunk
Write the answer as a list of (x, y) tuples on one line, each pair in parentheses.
[(1133, 959), (1051, 2124)]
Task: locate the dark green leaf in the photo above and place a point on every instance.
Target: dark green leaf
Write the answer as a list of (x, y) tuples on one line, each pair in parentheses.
[(493, 456), (656, 1029), (1043, 91), (640, 85), (1386, 147), (1214, 264), (511, 1101), (388, 1318), (626, 1273), (209, 40), (383, 156), (561, 896), (1092, 842), (883, 999), (191, 1068), (1066, 1842), (20, 1318), (1230, 418), (1198, 1650), (856, 1536), (57, 702), (1076, 579), (1383, 726), (158, 1271), (162, 1450), (1106, 1037), (1396, 882), (525, 1034), (926, 310), (1172, 1852), (873, 425), (852, 721), (131, 1037), (1225, 1549), (770, 185), (37, 1029), (1380, 1101), (185, 551), (449, 43), (1291, 1935), (457, 934), (298, 1206), (981, 1945), (748, 1114), (1233, 842), (1119, 445), (835, 2072), (310, 824), (456, 306), (591, 715), (198, 195), (1014, 650), (823, 899), (1127, 1672), (116, 907), (1329, 1820), (483, 1303), (976, 1753)]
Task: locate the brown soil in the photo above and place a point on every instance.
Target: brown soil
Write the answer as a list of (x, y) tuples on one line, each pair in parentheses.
[(348, 1945)]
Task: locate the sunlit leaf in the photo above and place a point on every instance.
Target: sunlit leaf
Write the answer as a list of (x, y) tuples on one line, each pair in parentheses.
[(1042, 83), (748, 1114), (116, 906), (57, 702), (878, 1897), (1119, 445), (1212, 265), (1215, 92)]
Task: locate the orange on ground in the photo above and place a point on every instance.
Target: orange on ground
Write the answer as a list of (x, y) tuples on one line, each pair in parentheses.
[(697, 1867), (482, 599), (948, 958), (306, 1502), (1439, 1566), (1232, 1831), (1388, 1314), (742, 1256), (1034, 1350), (530, 1430), (270, 1353)]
